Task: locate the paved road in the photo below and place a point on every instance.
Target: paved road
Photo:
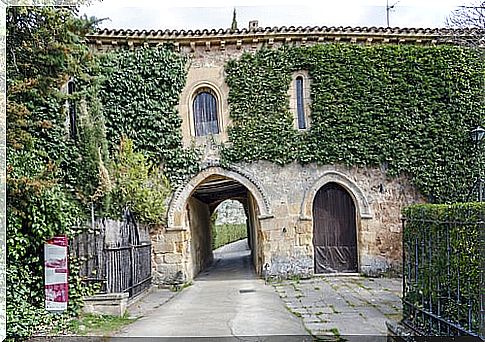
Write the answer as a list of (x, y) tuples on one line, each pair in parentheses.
[(226, 301)]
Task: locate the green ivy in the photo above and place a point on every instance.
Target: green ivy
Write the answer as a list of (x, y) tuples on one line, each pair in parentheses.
[(140, 94), (408, 109)]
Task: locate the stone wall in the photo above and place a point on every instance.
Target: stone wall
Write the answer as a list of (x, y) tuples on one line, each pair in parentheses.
[(171, 264), (287, 236), (282, 221), (283, 195), (201, 235)]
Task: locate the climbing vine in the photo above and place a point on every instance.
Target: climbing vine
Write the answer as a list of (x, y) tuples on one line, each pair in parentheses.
[(140, 93), (138, 186), (408, 109)]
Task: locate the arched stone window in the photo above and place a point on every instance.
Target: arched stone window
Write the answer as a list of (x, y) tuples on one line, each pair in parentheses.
[(300, 106), (299, 94), (71, 89), (205, 112)]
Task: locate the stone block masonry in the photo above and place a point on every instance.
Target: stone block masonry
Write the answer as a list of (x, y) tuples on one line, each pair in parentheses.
[(284, 236)]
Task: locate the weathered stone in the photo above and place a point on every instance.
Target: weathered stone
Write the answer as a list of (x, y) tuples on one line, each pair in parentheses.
[(179, 246), (280, 201), (173, 258), (106, 304), (304, 239), (163, 247), (230, 212)]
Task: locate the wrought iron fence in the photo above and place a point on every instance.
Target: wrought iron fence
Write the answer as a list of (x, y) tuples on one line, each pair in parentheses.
[(116, 255), (443, 261)]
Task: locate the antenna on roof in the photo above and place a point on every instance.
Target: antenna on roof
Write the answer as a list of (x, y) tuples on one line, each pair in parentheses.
[(389, 8), (234, 22)]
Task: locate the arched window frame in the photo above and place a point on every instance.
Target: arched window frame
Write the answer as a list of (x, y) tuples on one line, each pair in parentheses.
[(197, 90), (300, 101), (70, 109)]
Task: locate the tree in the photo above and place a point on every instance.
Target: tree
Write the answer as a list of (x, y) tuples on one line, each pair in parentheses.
[(471, 16), (50, 176)]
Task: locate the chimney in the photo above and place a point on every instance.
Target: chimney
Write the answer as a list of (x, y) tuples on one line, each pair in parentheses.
[(253, 25)]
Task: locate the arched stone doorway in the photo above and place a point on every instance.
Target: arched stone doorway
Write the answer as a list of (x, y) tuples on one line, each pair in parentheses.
[(191, 208), (334, 230)]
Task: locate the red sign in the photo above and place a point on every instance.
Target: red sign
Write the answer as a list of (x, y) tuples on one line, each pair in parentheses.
[(56, 272)]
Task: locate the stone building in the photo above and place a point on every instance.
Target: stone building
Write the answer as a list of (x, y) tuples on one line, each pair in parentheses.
[(302, 219)]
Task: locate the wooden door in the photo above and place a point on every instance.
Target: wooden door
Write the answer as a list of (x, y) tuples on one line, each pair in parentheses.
[(334, 230)]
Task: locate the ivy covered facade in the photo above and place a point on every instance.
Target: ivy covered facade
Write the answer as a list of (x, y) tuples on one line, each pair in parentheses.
[(323, 134)]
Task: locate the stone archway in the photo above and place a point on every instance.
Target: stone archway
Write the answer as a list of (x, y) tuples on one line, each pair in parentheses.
[(191, 208), (179, 199)]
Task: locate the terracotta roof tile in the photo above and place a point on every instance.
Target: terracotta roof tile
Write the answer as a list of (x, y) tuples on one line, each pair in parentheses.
[(221, 33)]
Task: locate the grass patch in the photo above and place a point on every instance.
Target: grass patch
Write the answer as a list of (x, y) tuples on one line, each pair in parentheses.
[(227, 233), (349, 303), (362, 286), (335, 332), (394, 316), (98, 325), (178, 288)]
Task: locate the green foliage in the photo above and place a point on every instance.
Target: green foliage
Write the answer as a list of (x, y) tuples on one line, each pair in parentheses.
[(226, 233), (97, 325), (138, 186), (443, 256), (50, 177), (262, 124), (140, 93), (406, 108)]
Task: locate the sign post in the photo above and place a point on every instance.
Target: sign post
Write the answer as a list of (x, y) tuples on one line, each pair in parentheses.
[(56, 272)]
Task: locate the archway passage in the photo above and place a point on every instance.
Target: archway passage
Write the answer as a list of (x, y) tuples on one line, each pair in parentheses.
[(202, 203), (334, 230)]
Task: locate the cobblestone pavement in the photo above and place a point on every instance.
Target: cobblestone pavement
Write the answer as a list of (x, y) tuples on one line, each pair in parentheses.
[(352, 307)]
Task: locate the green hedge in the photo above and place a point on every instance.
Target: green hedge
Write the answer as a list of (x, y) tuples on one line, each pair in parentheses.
[(227, 233), (408, 109), (443, 248)]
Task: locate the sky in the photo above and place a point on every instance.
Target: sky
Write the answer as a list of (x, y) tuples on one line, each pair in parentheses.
[(188, 14)]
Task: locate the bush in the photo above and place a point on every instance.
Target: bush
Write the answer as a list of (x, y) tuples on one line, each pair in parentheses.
[(138, 185)]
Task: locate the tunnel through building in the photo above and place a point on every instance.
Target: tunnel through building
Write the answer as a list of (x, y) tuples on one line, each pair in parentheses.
[(228, 223), (202, 203)]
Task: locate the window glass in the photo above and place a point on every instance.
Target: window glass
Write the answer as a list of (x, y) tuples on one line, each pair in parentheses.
[(71, 88), (299, 103), (205, 114)]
